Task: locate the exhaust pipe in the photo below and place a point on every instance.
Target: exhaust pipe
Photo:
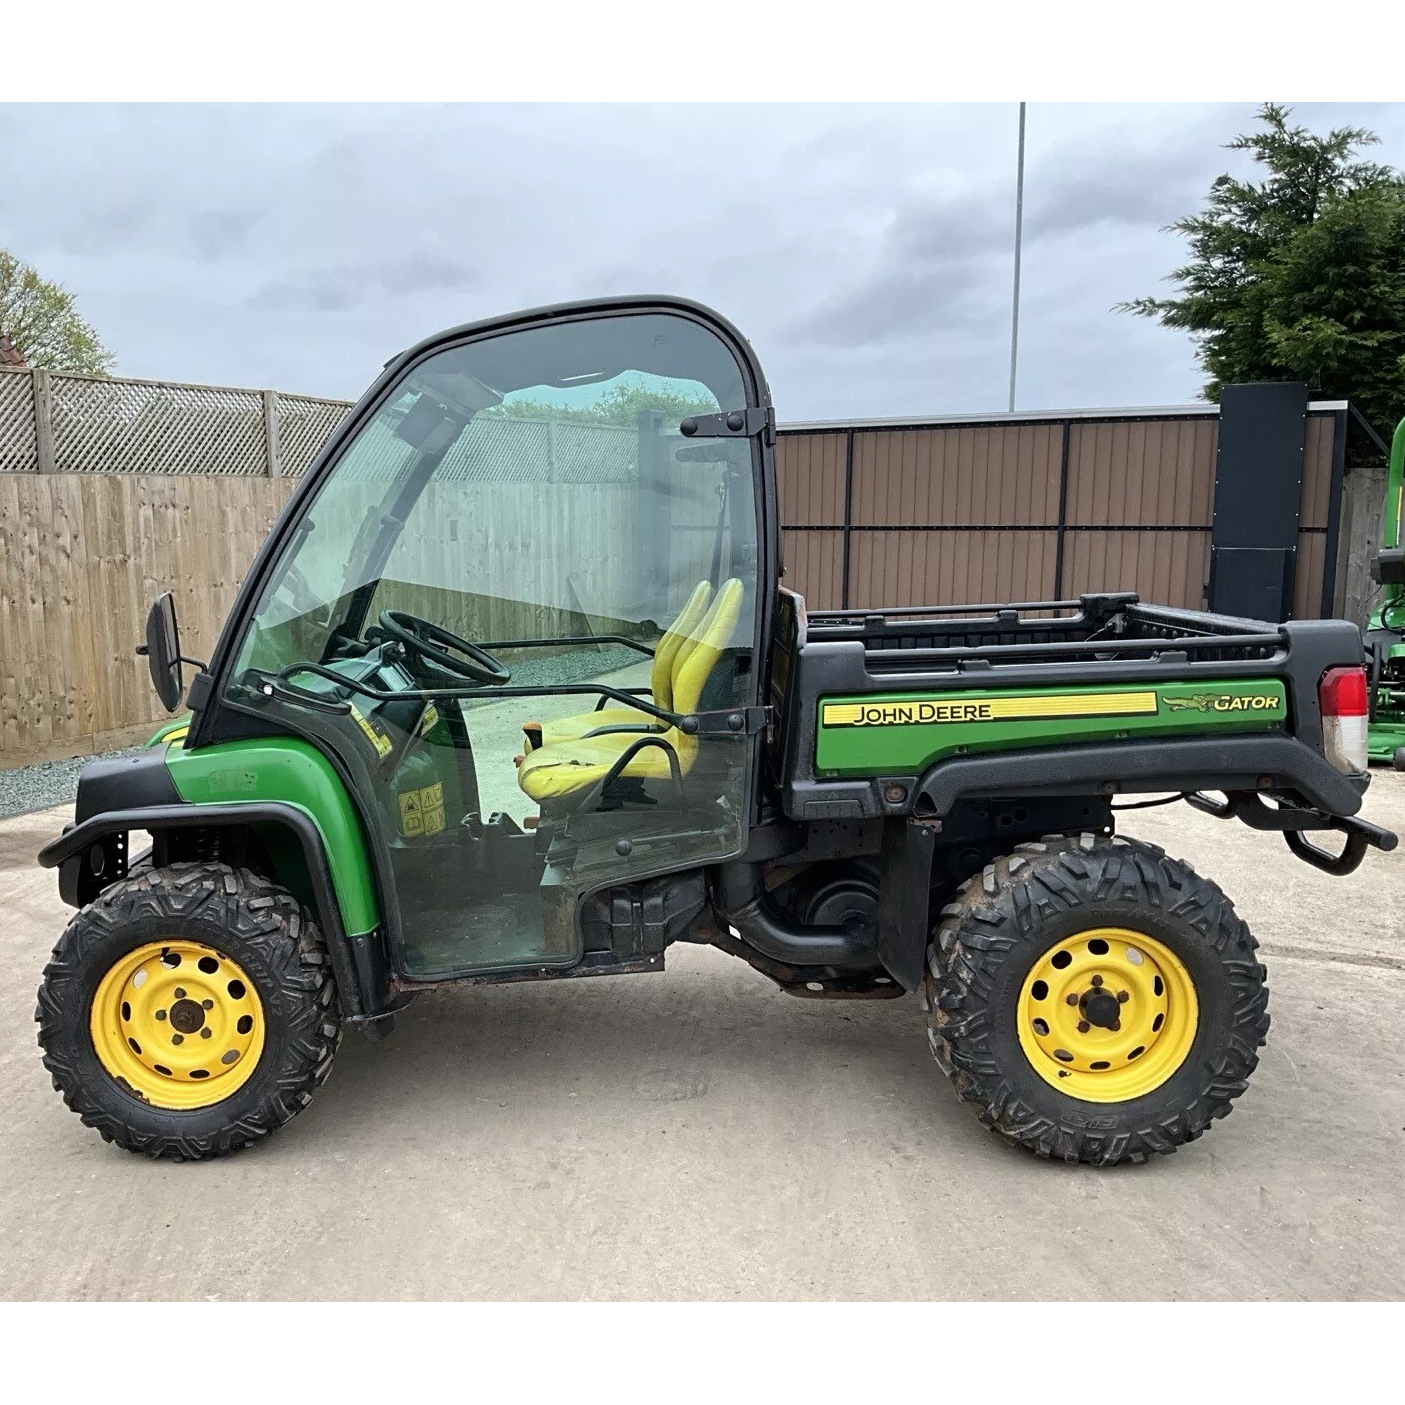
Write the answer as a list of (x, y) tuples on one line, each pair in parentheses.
[(740, 899)]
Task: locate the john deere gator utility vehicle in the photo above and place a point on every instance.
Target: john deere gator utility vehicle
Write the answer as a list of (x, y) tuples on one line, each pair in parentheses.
[(1385, 630), (515, 693)]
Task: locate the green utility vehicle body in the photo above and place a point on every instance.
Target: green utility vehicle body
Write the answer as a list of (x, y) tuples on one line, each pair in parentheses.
[(486, 718), (1385, 630)]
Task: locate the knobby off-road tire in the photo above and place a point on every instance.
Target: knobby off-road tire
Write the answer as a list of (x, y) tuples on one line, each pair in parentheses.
[(244, 919), (1002, 925)]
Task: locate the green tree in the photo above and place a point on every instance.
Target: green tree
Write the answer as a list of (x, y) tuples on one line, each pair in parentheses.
[(42, 322), (620, 405), (1299, 275)]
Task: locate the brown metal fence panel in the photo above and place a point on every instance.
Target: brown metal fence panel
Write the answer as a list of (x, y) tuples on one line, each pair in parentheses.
[(963, 476), (817, 560), (810, 479), (1307, 585), (951, 568), (1315, 504), (1166, 567), (1143, 474)]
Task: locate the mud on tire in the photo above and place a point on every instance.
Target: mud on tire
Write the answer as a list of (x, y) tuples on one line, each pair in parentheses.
[(267, 932), (1006, 917)]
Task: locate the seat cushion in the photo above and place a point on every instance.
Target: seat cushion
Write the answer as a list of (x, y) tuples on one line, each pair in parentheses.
[(569, 729), (554, 771)]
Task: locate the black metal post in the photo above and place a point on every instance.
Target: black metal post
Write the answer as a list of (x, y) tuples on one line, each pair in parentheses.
[(848, 514), (1063, 515)]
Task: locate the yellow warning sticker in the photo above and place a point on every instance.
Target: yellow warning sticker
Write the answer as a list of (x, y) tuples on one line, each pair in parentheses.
[(422, 811), (429, 721), (904, 714), (374, 733)]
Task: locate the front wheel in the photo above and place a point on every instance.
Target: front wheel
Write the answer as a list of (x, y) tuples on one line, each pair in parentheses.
[(1095, 1000), (189, 1011)]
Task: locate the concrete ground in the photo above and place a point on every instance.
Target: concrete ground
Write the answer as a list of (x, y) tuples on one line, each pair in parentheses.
[(697, 1134)]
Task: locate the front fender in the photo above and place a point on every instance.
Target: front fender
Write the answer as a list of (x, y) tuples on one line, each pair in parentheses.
[(287, 771)]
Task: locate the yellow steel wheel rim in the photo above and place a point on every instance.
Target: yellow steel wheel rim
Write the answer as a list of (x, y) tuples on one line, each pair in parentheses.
[(178, 1024), (1107, 1015)]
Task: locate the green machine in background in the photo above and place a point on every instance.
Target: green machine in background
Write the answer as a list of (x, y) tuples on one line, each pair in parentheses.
[(1385, 630)]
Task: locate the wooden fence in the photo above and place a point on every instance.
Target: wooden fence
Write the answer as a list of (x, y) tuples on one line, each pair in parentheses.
[(81, 557)]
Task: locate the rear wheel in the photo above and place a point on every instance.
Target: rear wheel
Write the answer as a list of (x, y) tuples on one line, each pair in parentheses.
[(189, 1011), (1094, 999)]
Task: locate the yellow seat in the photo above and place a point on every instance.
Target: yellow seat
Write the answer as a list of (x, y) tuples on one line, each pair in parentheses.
[(565, 767), (676, 640)]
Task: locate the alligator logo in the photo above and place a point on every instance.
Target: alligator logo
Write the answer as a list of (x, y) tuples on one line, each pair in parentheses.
[(1197, 702)]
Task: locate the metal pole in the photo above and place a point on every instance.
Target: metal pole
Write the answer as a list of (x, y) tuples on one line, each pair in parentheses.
[(1019, 233)]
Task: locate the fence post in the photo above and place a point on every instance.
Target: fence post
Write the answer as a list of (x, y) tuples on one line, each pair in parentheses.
[(43, 422), (270, 434)]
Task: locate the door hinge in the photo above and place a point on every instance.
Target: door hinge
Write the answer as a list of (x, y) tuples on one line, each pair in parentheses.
[(733, 722), (732, 424)]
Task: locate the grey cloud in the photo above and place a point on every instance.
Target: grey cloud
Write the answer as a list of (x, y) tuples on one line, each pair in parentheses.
[(897, 302), (216, 233), (943, 262), (346, 286)]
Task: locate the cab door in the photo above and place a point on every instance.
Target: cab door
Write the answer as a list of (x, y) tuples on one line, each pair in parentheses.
[(567, 499)]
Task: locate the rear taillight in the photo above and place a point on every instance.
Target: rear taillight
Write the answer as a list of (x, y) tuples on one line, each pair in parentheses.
[(1342, 696)]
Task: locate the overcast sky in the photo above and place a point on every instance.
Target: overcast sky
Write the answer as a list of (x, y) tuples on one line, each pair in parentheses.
[(866, 251)]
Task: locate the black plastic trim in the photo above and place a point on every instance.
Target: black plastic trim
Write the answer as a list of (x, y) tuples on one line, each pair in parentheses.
[(125, 783), (353, 996), (904, 899), (1274, 762)]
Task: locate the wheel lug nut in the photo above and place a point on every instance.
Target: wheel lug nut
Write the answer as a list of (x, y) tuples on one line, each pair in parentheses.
[(1115, 1025), (160, 1014), (1122, 997), (210, 1004), (1097, 980), (1083, 1026), (178, 1039), (205, 1033), (1072, 997), (180, 993)]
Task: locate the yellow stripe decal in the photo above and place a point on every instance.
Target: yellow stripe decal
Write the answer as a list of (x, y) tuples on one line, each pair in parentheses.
[(949, 709)]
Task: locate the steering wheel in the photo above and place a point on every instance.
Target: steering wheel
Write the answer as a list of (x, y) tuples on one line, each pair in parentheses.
[(432, 643)]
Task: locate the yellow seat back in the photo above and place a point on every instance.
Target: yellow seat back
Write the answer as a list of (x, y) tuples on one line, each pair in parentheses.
[(661, 675), (571, 766), (694, 665)]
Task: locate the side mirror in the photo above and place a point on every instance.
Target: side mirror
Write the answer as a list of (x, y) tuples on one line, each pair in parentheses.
[(1388, 566), (163, 651)]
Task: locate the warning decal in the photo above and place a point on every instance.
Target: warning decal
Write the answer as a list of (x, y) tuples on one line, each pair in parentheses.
[(375, 734), (422, 811)]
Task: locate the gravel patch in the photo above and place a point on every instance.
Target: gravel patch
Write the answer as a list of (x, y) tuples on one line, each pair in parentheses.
[(48, 783)]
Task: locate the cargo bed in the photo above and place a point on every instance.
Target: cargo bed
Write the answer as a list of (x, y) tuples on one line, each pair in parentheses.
[(1094, 627)]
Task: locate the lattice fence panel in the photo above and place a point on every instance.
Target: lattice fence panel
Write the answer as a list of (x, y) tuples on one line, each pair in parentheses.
[(17, 447), (588, 453), (304, 426), (125, 426)]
